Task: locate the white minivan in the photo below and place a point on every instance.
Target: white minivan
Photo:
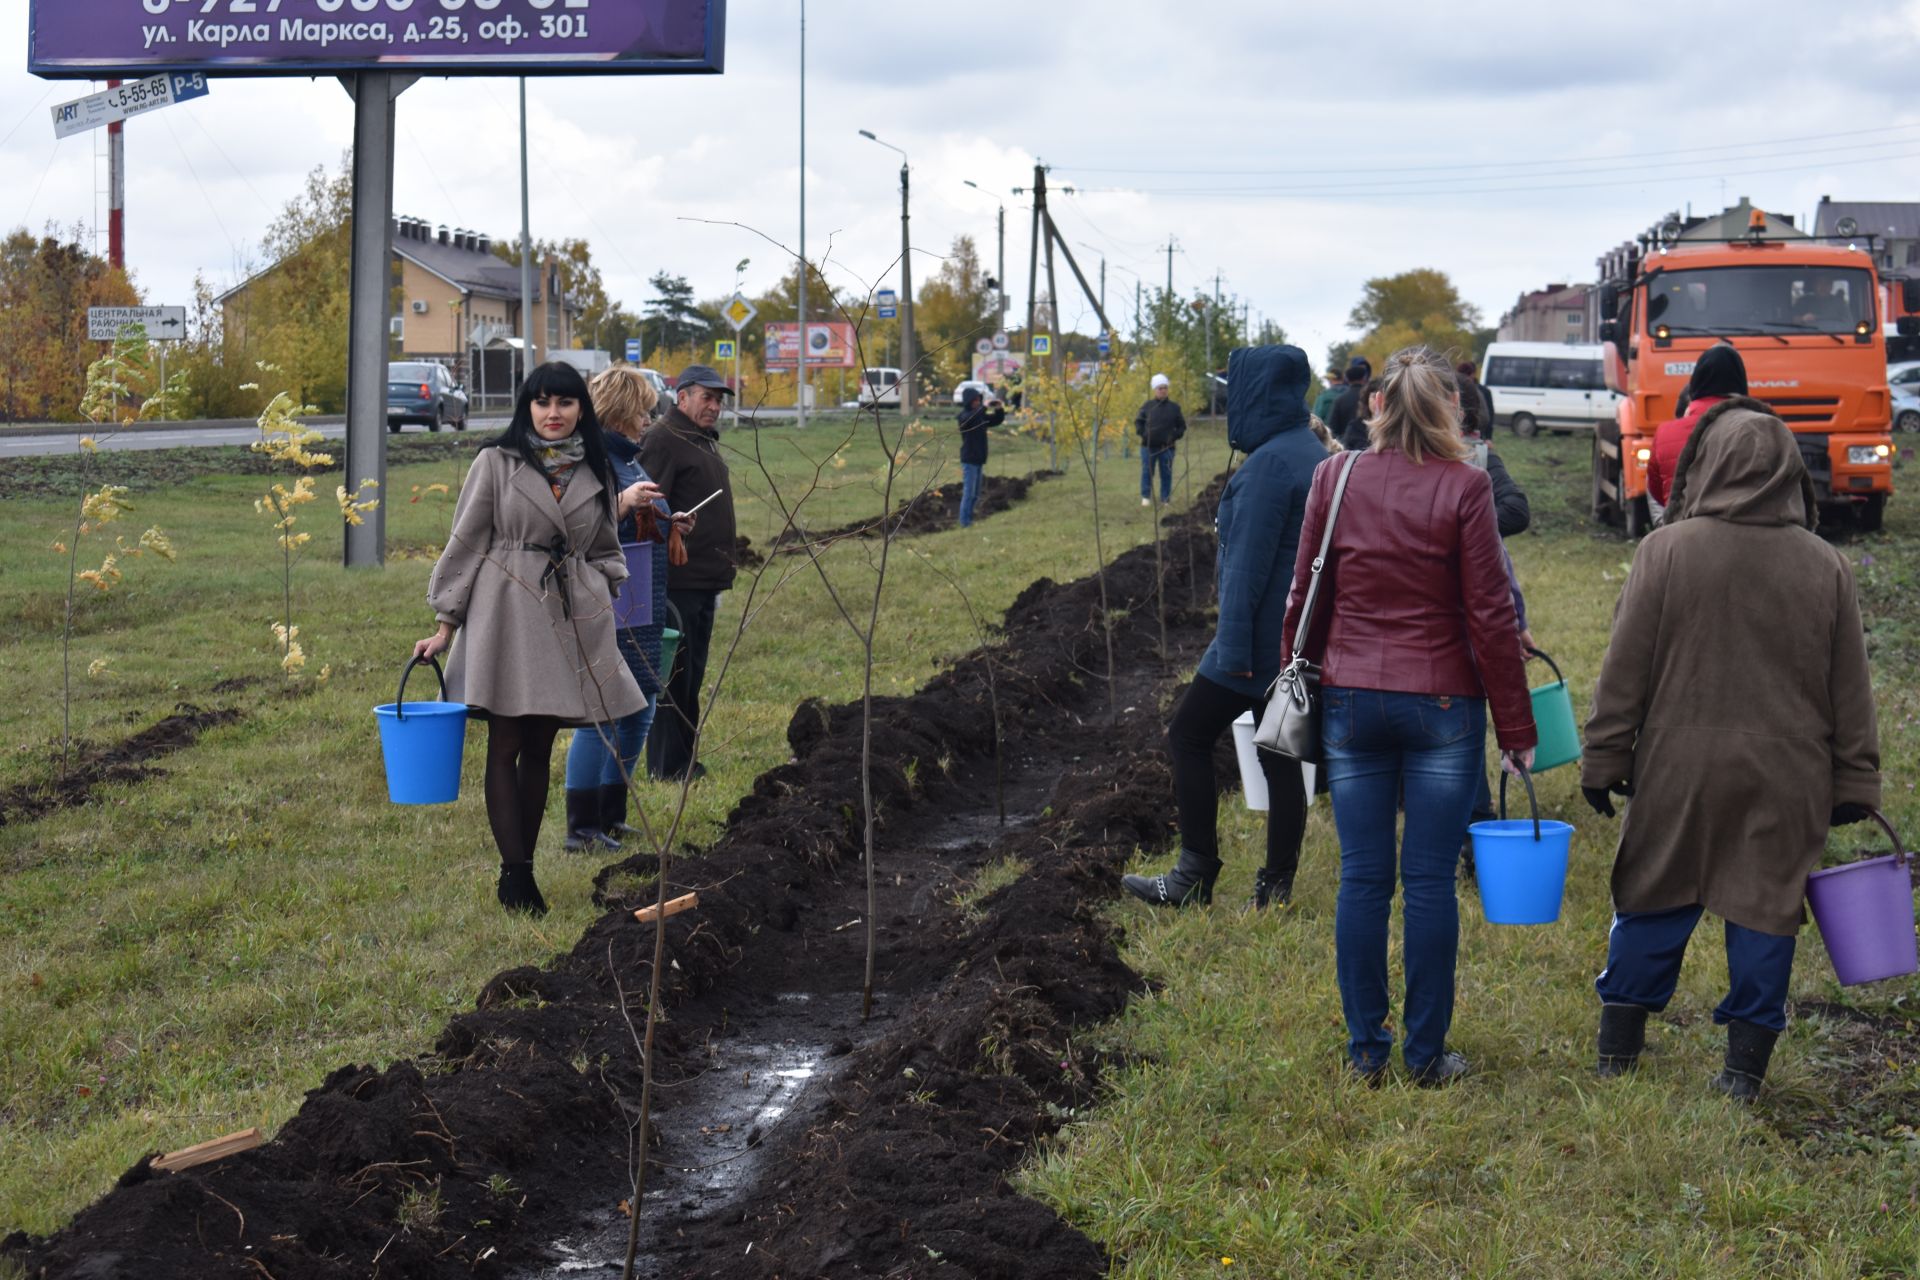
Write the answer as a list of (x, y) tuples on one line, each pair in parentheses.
[(1556, 385), (880, 387)]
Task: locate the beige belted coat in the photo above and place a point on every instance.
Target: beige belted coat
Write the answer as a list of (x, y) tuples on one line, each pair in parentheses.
[(536, 635)]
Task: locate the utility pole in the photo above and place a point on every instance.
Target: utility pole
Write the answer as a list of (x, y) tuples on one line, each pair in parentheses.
[(116, 191), (1001, 220), (907, 354), (800, 359), (526, 247), (1103, 287)]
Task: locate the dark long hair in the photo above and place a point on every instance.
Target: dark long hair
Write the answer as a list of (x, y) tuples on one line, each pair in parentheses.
[(556, 378)]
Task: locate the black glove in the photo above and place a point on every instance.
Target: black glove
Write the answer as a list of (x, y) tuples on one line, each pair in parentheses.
[(1847, 814), (1599, 799)]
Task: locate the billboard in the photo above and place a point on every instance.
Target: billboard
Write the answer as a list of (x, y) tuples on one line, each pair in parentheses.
[(98, 39), (1001, 368), (830, 345)]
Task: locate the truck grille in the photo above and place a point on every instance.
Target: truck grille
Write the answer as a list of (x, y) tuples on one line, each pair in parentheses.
[(1813, 452), (1804, 408)]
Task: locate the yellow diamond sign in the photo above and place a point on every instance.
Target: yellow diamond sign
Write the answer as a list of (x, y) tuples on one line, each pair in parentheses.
[(739, 312)]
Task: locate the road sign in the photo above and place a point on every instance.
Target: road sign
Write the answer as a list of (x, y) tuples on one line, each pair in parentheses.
[(1042, 344), (723, 349), (1105, 345), (95, 39), (131, 99), (889, 303), (1001, 341), (633, 351), (740, 312), (163, 324), (983, 346)]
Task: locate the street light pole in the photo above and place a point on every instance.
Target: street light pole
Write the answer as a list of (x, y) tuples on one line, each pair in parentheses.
[(906, 281), (1000, 225), (800, 357)]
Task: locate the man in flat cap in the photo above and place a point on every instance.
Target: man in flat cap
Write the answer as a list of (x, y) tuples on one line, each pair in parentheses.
[(682, 454)]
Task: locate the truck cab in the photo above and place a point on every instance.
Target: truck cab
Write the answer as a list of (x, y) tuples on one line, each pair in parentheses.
[(1806, 319)]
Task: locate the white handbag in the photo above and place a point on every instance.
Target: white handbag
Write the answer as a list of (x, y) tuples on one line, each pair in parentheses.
[(1290, 725)]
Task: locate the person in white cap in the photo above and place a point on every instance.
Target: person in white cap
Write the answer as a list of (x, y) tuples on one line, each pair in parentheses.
[(1159, 424)]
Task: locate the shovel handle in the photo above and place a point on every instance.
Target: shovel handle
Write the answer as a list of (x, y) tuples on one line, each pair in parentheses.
[(1533, 801), (400, 699), (1542, 655)]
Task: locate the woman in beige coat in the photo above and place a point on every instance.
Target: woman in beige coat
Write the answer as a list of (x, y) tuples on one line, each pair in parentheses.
[(1735, 707), (526, 585)]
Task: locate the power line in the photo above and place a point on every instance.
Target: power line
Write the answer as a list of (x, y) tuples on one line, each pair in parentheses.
[(23, 119), (1370, 167), (204, 194)]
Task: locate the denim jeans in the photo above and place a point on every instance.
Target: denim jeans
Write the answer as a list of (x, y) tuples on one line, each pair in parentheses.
[(1163, 459), (970, 473), (589, 762), (1644, 950), (1382, 749)]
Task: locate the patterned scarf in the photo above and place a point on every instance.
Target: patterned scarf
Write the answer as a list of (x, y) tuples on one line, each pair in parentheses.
[(560, 457)]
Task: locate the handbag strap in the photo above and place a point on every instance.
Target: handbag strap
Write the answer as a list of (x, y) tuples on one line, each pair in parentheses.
[(1320, 560)]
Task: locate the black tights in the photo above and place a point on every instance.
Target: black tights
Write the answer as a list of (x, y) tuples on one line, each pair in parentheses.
[(519, 763), (1205, 712)]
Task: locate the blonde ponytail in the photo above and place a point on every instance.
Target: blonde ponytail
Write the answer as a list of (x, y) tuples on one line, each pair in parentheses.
[(1419, 415)]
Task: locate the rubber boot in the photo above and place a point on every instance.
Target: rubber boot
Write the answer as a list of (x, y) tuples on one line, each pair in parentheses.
[(1749, 1049), (1271, 889), (1190, 882), (613, 815), (518, 892), (583, 819), (1623, 1034)]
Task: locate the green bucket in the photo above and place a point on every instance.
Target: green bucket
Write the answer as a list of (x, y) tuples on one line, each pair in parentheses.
[(670, 641), (1553, 720)]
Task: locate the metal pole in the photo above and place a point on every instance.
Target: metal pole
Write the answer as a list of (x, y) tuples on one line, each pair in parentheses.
[(526, 249), (370, 299), (908, 351), (800, 357), (1002, 277), (116, 191)]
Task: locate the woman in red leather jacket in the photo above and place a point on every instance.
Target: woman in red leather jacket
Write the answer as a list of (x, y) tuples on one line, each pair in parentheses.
[(1417, 636)]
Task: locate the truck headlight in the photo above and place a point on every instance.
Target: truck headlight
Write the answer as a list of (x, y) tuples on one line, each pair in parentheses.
[(1643, 454), (1865, 455)]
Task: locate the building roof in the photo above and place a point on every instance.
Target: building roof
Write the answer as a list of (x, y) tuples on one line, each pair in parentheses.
[(464, 259), (1888, 219)]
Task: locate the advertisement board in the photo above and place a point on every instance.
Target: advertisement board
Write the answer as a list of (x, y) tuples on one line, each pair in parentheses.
[(98, 39), (830, 345), (1001, 368)]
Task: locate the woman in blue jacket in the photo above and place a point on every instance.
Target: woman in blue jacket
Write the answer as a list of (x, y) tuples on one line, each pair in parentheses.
[(1259, 527)]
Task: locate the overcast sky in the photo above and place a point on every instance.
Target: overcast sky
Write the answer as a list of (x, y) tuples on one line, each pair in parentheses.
[(1295, 149)]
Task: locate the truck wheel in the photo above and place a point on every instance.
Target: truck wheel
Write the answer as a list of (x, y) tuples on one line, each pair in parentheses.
[(1871, 514), (1637, 520), (1524, 425), (1601, 509)]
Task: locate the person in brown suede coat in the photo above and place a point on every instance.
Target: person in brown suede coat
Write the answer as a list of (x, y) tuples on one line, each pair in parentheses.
[(1736, 708)]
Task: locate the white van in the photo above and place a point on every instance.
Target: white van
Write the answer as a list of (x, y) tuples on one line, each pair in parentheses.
[(1547, 384), (880, 387)]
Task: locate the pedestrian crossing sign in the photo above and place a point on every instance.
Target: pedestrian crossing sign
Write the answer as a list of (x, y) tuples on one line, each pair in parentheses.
[(1042, 344), (723, 349)]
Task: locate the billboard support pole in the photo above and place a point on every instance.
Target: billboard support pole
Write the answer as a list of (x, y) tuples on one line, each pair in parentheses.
[(373, 93)]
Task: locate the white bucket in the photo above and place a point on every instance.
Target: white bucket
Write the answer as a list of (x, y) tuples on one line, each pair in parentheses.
[(1253, 782)]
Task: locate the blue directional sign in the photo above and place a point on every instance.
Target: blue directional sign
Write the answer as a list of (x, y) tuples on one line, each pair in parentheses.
[(633, 351), (889, 303), (1105, 345)]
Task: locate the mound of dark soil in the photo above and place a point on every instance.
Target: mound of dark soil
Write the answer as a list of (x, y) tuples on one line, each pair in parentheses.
[(927, 512), (791, 1137), (128, 760), (63, 475)]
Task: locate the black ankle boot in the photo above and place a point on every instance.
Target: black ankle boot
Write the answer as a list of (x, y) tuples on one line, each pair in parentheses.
[(1749, 1049), (1623, 1034), (1271, 889), (1190, 882), (583, 819), (613, 814), (517, 890)]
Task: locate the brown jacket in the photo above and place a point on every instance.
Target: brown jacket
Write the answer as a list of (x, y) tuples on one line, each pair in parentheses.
[(517, 653), (1735, 694), (685, 462)]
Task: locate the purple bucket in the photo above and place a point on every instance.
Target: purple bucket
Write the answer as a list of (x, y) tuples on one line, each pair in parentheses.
[(1865, 914), (633, 607)]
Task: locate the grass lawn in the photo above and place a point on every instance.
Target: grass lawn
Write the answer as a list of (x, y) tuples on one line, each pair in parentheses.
[(1235, 1146), (187, 954)]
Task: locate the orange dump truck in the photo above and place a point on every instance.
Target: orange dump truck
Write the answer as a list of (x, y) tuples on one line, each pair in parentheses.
[(1805, 316)]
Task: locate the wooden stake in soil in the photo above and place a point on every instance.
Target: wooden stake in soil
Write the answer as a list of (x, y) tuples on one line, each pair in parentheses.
[(650, 912), (207, 1152)]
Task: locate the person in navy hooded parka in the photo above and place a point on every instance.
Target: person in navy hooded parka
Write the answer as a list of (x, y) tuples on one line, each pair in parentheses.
[(1259, 528)]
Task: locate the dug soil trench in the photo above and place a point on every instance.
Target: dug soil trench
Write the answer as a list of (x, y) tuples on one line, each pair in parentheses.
[(791, 1139), (928, 512)]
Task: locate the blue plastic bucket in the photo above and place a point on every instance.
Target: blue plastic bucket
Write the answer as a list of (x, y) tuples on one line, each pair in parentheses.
[(1553, 720), (1521, 864), (633, 607), (422, 743)]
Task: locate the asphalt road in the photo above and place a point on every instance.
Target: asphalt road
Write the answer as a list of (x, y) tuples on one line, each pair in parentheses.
[(25, 442)]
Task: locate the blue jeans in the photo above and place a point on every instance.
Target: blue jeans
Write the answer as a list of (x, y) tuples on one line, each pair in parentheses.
[(589, 761), (1149, 459), (1381, 749), (1644, 950), (969, 490)]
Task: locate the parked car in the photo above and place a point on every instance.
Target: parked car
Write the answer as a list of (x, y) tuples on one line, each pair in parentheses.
[(960, 392), (662, 390), (1547, 384), (424, 392), (1906, 408)]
